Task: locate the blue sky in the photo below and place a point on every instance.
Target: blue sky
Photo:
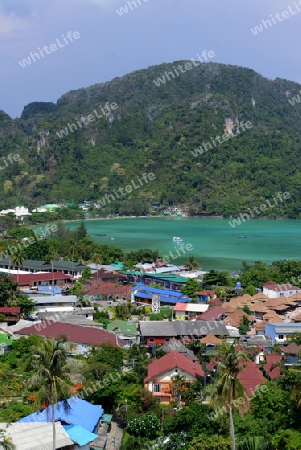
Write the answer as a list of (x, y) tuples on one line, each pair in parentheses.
[(111, 45)]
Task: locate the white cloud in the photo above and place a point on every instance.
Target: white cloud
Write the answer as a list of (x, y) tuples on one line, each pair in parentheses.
[(11, 26)]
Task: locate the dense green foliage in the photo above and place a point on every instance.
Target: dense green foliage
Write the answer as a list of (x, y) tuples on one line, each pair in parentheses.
[(154, 129)]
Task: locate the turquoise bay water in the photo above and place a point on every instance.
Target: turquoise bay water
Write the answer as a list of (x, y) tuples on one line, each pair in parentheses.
[(215, 244)]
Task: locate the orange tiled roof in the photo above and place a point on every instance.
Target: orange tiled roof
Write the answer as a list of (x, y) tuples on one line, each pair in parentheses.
[(211, 339)]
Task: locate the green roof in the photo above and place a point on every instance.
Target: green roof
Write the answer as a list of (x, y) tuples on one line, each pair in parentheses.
[(163, 276), (107, 418), (168, 277), (122, 327), (6, 339)]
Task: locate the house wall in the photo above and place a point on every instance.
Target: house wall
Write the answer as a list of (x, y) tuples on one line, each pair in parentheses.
[(165, 382), (272, 294), (157, 340), (274, 331)]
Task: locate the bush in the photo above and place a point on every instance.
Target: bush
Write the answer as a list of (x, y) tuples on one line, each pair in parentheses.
[(147, 425)]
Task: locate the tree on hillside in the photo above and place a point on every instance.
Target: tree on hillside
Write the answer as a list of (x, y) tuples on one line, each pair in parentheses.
[(192, 263), (227, 387), (51, 377), (9, 292), (26, 304), (216, 278), (17, 259), (81, 231), (96, 258), (191, 287), (52, 257)]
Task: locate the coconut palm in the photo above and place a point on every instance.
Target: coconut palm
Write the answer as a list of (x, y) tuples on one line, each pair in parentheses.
[(192, 263), (53, 256), (96, 258), (227, 387), (71, 248), (51, 376), (17, 259)]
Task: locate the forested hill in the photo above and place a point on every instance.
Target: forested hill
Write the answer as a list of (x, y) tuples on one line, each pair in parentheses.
[(155, 129)]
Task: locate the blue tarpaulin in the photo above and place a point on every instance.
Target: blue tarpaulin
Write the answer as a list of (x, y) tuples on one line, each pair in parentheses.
[(80, 412), (80, 435)]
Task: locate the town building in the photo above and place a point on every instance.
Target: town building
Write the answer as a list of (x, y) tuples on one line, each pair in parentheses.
[(158, 332), (79, 339), (162, 372), (280, 332), (274, 290)]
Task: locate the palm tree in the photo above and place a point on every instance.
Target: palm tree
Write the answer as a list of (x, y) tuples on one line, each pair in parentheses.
[(96, 259), (71, 247), (53, 256), (17, 259), (51, 376), (227, 387), (192, 263)]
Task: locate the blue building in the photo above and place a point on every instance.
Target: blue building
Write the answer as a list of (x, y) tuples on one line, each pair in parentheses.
[(144, 294), (279, 332)]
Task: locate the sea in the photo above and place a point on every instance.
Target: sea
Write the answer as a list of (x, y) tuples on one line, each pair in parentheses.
[(213, 242)]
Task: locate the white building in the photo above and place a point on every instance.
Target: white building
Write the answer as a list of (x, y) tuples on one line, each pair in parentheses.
[(274, 290)]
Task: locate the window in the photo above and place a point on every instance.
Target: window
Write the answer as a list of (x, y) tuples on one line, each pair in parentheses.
[(151, 340), (280, 336), (167, 339), (157, 387)]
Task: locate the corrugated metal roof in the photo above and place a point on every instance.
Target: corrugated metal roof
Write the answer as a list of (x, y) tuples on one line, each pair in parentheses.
[(160, 291), (41, 299), (182, 328), (163, 298), (80, 435), (35, 436), (80, 413)]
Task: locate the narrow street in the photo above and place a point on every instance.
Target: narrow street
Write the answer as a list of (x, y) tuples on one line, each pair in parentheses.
[(114, 437)]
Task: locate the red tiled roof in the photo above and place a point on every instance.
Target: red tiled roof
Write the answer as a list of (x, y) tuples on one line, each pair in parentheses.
[(206, 292), (180, 307), (250, 377), (215, 302), (171, 361), (9, 309), (213, 313), (101, 288), (272, 360), (27, 279), (74, 333), (104, 274)]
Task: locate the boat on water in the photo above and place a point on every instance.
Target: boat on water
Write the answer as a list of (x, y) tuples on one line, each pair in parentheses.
[(177, 239), (99, 234), (242, 236)]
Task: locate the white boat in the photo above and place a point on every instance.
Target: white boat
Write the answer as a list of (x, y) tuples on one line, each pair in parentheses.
[(177, 239)]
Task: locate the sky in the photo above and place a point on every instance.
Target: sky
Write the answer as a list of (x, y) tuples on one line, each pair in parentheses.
[(104, 42)]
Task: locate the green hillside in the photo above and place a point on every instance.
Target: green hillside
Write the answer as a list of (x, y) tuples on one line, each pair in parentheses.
[(155, 129)]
